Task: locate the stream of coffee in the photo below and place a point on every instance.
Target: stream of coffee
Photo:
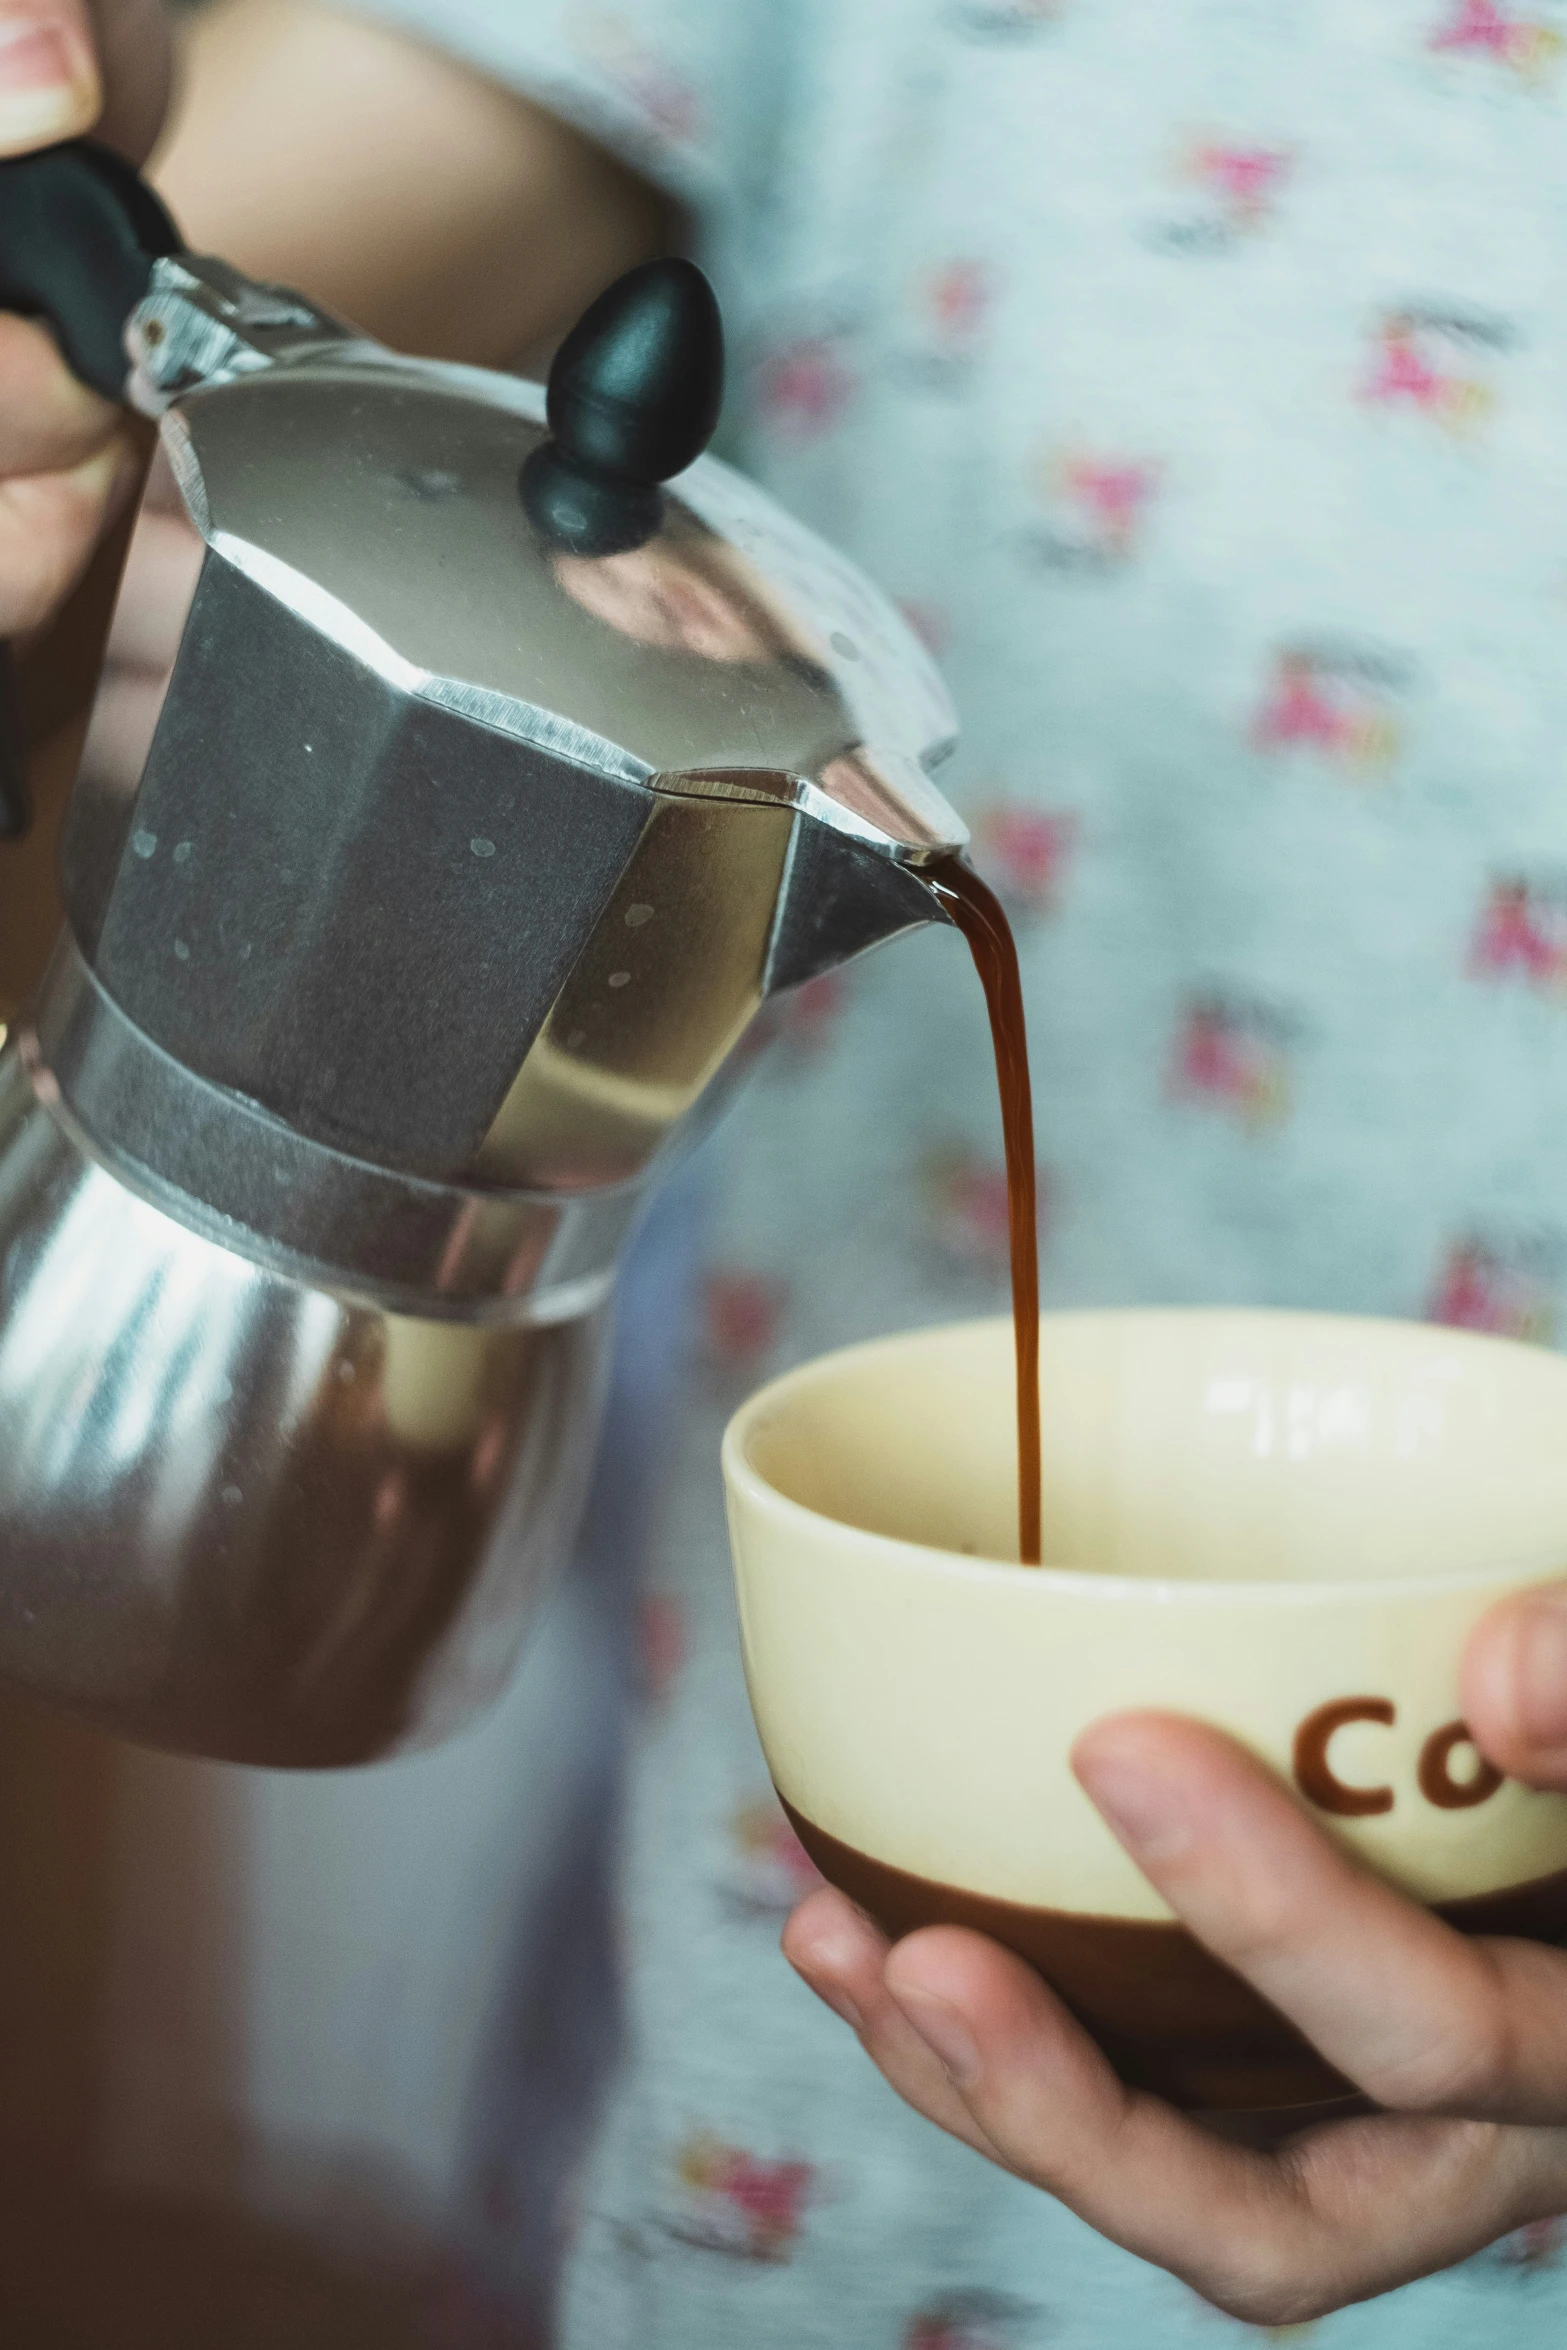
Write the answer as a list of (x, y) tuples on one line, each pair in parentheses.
[(977, 913)]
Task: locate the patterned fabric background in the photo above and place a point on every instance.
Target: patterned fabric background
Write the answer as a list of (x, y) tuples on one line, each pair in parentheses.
[(1195, 373)]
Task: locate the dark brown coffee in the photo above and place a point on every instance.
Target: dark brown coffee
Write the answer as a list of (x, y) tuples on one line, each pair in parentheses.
[(977, 912)]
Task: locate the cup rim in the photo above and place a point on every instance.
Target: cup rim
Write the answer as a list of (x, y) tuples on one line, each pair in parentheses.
[(741, 1476)]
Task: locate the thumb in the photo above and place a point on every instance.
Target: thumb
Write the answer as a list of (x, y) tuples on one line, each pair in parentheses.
[(49, 82), (1515, 1686)]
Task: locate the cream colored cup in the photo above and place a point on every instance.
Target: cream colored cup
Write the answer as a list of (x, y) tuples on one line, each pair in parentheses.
[(1285, 1524)]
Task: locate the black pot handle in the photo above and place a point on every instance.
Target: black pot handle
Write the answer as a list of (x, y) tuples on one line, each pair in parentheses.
[(79, 232)]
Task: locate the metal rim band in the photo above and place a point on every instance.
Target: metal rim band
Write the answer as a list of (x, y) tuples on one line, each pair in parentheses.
[(241, 1177)]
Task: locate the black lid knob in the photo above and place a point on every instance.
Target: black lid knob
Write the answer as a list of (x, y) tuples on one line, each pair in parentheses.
[(634, 395)]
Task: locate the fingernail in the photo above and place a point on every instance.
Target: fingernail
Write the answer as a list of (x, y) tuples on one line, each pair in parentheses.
[(944, 2032), (1145, 1811), (48, 82), (840, 2003), (830, 1961), (1540, 1669)]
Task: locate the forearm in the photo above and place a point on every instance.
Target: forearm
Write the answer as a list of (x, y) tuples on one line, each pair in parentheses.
[(394, 184)]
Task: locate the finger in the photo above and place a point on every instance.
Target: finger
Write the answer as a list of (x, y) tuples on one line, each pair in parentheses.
[(1039, 2091), (135, 51), (1347, 2210), (49, 525), (1420, 2017), (1514, 1686), (48, 421), (836, 1950), (49, 82)]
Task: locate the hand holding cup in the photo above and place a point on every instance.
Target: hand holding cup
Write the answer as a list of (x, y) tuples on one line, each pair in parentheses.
[(1305, 1502), (1462, 2044)]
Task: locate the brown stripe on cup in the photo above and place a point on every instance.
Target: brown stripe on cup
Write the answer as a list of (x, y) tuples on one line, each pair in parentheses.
[(1170, 2017)]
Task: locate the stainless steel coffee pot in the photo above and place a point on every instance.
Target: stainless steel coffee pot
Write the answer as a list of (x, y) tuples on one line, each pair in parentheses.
[(498, 787)]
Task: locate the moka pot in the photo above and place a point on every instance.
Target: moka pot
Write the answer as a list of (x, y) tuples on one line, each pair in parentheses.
[(516, 756)]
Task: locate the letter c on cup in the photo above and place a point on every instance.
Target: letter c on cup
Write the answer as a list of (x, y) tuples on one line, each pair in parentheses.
[(1314, 1774)]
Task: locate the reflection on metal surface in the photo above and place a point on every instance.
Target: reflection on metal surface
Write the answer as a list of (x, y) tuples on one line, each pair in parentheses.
[(688, 591), (243, 1516), (874, 793), (655, 1002)]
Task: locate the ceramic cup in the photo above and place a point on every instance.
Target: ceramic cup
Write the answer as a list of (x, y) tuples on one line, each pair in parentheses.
[(1285, 1524)]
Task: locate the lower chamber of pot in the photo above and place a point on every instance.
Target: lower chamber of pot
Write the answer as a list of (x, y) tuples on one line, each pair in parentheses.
[(247, 1518)]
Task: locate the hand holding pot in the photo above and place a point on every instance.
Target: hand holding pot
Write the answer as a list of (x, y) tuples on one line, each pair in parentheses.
[(65, 456)]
